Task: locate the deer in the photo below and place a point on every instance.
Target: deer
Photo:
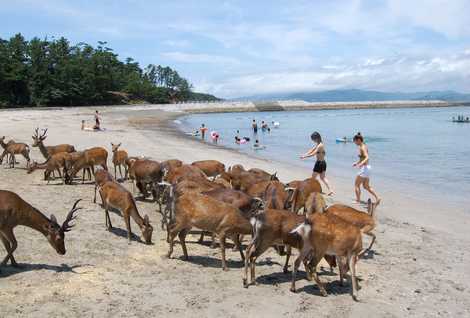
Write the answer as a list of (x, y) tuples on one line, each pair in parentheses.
[(47, 151), (119, 159), (96, 156), (302, 191), (175, 175), (4, 146), (208, 214), (15, 211), (146, 173), (324, 233), (13, 148), (114, 195), (101, 177), (55, 162), (365, 221), (212, 168), (71, 158)]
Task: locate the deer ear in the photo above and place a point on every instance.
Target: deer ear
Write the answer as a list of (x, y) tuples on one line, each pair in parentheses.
[(53, 218)]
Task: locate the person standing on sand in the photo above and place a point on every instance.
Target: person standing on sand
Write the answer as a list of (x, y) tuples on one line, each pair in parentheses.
[(203, 130), (97, 121), (363, 176), (255, 127), (320, 165)]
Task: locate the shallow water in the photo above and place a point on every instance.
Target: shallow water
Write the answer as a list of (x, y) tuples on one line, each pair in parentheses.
[(420, 150)]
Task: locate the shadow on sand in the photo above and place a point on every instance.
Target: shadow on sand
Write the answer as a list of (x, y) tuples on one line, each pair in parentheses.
[(7, 271)]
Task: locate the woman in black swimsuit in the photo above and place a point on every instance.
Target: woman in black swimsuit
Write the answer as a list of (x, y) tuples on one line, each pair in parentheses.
[(320, 165)]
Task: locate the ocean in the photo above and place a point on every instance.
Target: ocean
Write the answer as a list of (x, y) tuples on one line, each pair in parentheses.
[(418, 150)]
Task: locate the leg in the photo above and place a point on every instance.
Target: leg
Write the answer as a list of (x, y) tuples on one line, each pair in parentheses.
[(120, 171), (10, 237), (222, 250), (248, 261), (6, 243), (288, 254), (127, 218), (315, 260), (303, 254), (352, 258), (370, 190), (357, 188), (115, 172), (326, 182), (343, 269), (173, 230), (370, 245), (182, 236), (238, 246)]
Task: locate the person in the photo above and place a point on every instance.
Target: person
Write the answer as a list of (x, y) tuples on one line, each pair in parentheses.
[(319, 170), (97, 121), (203, 130), (255, 127), (363, 177), (84, 127), (264, 126), (215, 137), (276, 124)]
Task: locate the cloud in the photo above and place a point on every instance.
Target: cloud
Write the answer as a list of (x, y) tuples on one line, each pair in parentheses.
[(198, 58)]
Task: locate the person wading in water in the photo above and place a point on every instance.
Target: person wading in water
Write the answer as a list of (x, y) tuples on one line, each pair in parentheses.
[(319, 169), (363, 176)]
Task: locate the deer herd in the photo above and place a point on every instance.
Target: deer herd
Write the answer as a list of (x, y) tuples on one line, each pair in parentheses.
[(234, 203)]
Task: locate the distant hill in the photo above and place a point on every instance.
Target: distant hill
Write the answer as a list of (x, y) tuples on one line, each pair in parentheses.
[(355, 95)]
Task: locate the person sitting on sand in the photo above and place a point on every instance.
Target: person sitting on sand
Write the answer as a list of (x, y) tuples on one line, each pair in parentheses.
[(320, 165), (203, 130), (363, 176)]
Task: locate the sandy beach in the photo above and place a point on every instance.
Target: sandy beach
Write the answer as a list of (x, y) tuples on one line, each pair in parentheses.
[(419, 267)]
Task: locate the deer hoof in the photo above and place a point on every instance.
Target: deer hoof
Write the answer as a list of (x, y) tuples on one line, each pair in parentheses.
[(292, 289)]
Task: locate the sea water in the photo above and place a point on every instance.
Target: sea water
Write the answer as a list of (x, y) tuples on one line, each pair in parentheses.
[(419, 149)]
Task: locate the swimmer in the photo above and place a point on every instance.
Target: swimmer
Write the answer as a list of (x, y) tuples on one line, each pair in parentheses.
[(203, 130)]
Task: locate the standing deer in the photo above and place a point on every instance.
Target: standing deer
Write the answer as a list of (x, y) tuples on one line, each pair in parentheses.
[(13, 148), (119, 159), (116, 196), (47, 151), (96, 156), (55, 162), (15, 211), (101, 177)]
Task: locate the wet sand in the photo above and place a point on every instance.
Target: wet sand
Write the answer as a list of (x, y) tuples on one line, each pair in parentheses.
[(419, 268)]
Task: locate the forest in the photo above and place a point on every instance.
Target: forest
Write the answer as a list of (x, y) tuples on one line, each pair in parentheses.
[(55, 73)]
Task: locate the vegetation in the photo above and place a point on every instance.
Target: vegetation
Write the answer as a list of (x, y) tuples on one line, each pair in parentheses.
[(53, 72)]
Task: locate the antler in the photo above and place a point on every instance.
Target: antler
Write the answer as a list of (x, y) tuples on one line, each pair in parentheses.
[(44, 132), (36, 132), (70, 217)]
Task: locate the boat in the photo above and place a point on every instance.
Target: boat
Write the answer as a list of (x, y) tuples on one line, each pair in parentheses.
[(343, 140), (461, 119)]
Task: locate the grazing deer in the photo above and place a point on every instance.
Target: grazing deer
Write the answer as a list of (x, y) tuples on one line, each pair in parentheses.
[(13, 148), (101, 177), (116, 196), (119, 159), (15, 211), (323, 233), (71, 158), (146, 173), (96, 156), (55, 162), (302, 191), (47, 151)]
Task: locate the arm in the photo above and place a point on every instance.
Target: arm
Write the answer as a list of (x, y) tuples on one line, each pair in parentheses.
[(365, 155), (312, 152)]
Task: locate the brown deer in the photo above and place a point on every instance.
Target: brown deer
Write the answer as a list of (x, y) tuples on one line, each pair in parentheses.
[(170, 164), (119, 159), (4, 146), (365, 221), (302, 191), (14, 148), (211, 215), (324, 233), (15, 211), (71, 158), (114, 195), (101, 177), (96, 156), (146, 174), (47, 151), (185, 171), (212, 168), (55, 162)]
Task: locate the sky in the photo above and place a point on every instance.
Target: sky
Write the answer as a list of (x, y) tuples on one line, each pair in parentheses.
[(243, 48)]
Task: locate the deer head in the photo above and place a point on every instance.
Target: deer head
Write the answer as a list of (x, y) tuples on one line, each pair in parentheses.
[(56, 233), (147, 230), (115, 147), (38, 138)]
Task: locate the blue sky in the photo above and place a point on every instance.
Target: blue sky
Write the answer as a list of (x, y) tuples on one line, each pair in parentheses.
[(240, 48)]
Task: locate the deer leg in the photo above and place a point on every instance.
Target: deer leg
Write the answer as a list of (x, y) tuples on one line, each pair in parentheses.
[(303, 254), (120, 171), (288, 254), (315, 260), (6, 243), (96, 187), (352, 259), (115, 172), (222, 250), (248, 261), (126, 172), (370, 245), (238, 246), (10, 237), (173, 230), (182, 236), (201, 238), (127, 219)]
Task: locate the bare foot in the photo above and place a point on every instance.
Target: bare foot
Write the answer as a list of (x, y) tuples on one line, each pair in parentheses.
[(330, 193)]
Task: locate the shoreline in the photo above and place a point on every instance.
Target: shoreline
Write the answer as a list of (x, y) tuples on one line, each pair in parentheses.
[(418, 267)]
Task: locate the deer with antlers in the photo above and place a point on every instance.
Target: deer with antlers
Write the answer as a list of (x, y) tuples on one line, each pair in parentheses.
[(14, 148), (47, 151), (15, 211), (119, 159)]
